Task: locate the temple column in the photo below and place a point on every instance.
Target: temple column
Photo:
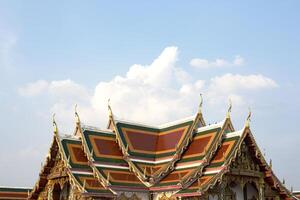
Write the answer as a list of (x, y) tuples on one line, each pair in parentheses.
[(50, 191), (261, 190), (222, 191)]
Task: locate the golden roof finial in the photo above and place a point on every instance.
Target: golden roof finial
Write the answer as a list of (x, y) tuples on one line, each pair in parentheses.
[(84, 182), (109, 108), (92, 152), (229, 109), (76, 115), (200, 104), (54, 124), (108, 176), (145, 170), (199, 182), (270, 164), (248, 119)]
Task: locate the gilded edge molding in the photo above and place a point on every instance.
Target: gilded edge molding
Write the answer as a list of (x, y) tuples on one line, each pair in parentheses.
[(198, 173), (104, 182)]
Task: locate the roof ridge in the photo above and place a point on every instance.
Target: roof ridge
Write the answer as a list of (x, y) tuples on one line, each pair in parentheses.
[(160, 126)]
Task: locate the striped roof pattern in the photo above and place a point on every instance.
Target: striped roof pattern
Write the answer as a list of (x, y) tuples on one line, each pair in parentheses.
[(14, 193)]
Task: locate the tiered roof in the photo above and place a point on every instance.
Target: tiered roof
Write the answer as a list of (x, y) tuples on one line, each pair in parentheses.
[(185, 157)]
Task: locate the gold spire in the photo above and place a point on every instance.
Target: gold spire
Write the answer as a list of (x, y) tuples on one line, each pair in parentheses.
[(54, 124), (229, 109), (76, 115), (270, 164), (200, 104), (248, 119), (109, 108)]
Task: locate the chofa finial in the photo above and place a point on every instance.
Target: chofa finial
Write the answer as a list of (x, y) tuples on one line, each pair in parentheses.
[(200, 104), (54, 124), (229, 108), (76, 115), (270, 164), (109, 108), (248, 118)]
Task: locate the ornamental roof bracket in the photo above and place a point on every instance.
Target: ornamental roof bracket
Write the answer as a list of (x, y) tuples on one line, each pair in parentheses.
[(229, 109)]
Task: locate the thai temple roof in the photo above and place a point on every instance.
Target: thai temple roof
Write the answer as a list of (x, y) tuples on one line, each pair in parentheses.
[(186, 157)]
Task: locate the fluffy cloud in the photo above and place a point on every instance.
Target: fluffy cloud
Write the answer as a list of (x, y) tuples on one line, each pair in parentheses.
[(34, 89), (235, 82), (219, 62), (154, 93)]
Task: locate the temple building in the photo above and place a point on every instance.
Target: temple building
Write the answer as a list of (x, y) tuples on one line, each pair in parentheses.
[(185, 159)]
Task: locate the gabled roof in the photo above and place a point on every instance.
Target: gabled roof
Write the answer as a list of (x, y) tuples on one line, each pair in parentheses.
[(106, 159), (218, 165), (151, 152), (80, 169), (185, 157), (75, 165), (198, 154)]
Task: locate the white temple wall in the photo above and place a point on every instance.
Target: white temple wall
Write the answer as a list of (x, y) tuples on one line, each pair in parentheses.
[(238, 191), (141, 195), (251, 191), (213, 197)]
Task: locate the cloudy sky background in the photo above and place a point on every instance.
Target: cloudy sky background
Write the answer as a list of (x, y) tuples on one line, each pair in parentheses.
[(152, 60)]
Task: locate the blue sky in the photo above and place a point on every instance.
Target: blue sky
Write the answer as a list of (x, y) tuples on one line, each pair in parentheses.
[(56, 54)]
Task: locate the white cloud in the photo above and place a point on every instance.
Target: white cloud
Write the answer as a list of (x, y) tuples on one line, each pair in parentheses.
[(235, 82), (154, 93), (33, 89), (219, 62)]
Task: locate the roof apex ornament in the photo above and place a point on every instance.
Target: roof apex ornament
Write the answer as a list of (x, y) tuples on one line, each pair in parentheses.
[(54, 124), (248, 118), (84, 183), (145, 171), (77, 115), (283, 181), (200, 104), (270, 164), (109, 108), (229, 108)]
